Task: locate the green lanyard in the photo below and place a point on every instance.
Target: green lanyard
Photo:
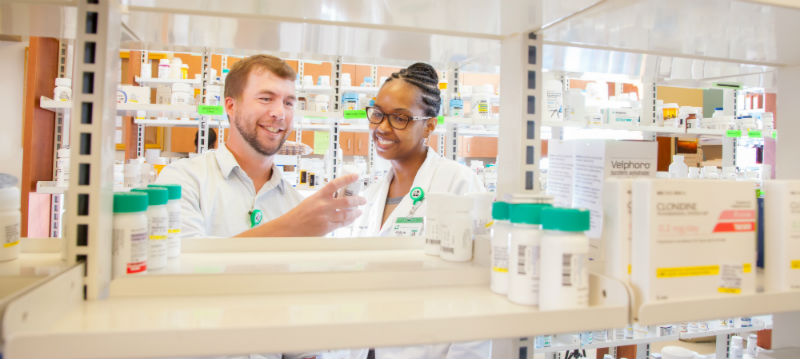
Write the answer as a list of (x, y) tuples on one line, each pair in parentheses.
[(255, 217)]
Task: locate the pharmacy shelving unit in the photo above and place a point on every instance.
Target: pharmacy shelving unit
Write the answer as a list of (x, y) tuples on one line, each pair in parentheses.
[(77, 314)]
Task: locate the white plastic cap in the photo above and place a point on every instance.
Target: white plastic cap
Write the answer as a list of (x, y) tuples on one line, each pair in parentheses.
[(63, 82), (736, 341), (181, 87), (448, 202), (677, 158), (163, 62)]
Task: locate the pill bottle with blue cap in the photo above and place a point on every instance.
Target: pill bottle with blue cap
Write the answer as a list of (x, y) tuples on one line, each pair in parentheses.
[(158, 225), (564, 282), (174, 210), (130, 241)]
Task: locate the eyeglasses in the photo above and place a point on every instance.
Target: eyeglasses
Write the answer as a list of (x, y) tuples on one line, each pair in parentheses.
[(396, 120)]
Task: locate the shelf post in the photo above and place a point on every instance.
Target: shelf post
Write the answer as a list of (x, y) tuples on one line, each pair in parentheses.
[(336, 100), (729, 144), (520, 119), (90, 193), (202, 128)]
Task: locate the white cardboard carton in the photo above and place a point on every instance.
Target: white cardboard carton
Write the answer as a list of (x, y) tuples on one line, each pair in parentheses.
[(617, 224), (692, 238), (782, 235)]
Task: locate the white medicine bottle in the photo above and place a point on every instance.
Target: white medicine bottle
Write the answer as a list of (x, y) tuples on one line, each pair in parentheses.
[(436, 204), (525, 270), (63, 90), (9, 217), (158, 225), (174, 211), (564, 265), (455, 228), (501, 230), (678, 168), (130, 239)]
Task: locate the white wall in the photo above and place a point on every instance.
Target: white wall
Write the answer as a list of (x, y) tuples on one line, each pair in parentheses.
[(12, 71)]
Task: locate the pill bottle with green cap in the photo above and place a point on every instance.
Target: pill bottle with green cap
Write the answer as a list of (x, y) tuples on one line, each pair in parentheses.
[(501, 229), (564, 264), (158, 225), (524, 252), (174, 210), (130, 234)]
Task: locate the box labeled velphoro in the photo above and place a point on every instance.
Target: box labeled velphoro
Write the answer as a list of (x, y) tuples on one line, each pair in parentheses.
[(692, 238)]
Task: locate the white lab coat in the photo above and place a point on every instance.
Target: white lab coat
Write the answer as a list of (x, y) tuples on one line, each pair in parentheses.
[(437, 174)]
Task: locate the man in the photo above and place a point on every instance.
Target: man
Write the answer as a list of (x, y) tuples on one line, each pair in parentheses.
[(237, 190)]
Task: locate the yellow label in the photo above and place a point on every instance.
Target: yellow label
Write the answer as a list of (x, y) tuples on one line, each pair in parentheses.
[(629, 269), (491, 223), (501, 270), (796, 264), (729, 290), (124, 54), (158, 238), (174, 231), (687, 271), (9, 245), (156, 55), (747, 268)]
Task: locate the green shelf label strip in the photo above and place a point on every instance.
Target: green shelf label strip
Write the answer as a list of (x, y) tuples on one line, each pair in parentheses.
[(206, 110), (354, 114)]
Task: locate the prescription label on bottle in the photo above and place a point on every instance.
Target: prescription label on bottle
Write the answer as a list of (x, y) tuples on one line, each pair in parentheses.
[(408, 226), (11, 237), (139, 248), (500, 259), (174, 223), (483, 107), (574, 274), (159, 227), (528, 261), (730, 278), (795, 264), (687, 271)]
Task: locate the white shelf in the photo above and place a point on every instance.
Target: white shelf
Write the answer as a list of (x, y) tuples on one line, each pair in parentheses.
[(55, 105), (705, 131), (316, 114), (156, 82), (674, 311), (131, 109), (51, 187), (180, 123), (721, 331), (388, 294), (657, 129), (559, 347), (315, 89), (361, 89)]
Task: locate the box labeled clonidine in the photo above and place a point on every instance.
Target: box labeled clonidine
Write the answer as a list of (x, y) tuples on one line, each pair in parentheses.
[(782, 235), (692, 238), (617, 228)]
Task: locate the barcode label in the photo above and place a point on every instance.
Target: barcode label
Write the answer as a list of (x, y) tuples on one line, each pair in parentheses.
[(566, 270), (521, 260), (447, 250)]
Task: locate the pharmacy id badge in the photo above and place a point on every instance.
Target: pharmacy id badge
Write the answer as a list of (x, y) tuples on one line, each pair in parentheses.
[(408, 226)]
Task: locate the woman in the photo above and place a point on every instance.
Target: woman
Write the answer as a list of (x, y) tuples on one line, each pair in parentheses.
[(403, 117)]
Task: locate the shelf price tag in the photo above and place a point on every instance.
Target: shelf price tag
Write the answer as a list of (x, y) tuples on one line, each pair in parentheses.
[(354, 114), (774, 134), (733, 133), (207, 110), (440, 120), (754, 134)]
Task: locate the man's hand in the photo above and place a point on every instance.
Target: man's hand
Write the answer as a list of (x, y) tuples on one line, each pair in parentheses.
[(317, 215)]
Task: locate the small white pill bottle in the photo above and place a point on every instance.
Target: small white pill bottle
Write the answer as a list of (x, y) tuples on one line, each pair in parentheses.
[(130, 242), (175, 225), (524, 253), (9, 217), (501, 231), (564, 264), (158, 225)]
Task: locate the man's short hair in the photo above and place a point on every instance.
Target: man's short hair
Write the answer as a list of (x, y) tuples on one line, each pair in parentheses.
[(236, 80)]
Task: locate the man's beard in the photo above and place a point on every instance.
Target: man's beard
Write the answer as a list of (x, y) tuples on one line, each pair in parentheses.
[(252, 138)]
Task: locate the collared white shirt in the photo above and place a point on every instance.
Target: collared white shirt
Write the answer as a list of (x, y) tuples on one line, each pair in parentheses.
[(218, 196)]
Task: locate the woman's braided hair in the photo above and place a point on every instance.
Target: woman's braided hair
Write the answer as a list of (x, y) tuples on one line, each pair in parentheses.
[(425, 78)]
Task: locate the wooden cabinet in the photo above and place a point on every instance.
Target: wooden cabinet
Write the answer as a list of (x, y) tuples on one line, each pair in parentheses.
[(307, 137), (483, 147), (354, 143)]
